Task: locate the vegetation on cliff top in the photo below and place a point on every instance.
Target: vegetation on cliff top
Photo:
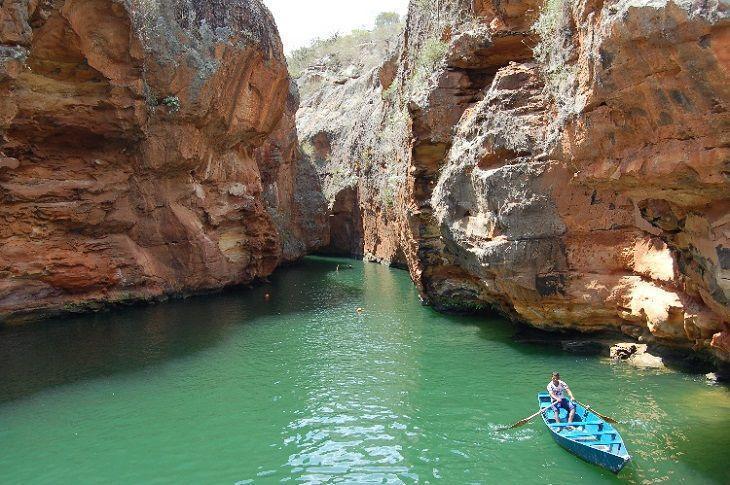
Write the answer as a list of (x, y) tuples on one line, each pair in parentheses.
[(555, 29), (359, 47)]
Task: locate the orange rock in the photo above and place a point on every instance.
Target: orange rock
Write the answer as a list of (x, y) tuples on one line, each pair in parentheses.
[(581, 184), (127, 167)]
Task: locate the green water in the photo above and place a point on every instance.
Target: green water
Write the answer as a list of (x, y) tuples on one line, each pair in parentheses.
[(235, 388)]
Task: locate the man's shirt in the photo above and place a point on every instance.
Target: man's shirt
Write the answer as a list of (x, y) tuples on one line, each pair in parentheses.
[(557, 390)]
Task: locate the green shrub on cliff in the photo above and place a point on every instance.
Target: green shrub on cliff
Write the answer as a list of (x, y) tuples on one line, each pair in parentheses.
[(432, 54), (389, 94), (307, 148), (359, 47), (172, 102), (555, 29), (552, 18)]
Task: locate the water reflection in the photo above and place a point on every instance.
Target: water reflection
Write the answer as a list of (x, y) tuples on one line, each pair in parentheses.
[(49, 354), (357, 416), (61, 351)]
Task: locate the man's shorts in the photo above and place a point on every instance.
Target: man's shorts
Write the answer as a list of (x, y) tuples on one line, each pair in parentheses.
[(565, 404)]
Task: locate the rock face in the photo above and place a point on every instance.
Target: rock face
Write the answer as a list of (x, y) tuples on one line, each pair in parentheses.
[(563, 162), (354, 138), (128, 164), (292, 188), (589, 187)]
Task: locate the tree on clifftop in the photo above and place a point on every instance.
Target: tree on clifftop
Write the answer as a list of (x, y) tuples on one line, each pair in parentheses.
[(386, 18)]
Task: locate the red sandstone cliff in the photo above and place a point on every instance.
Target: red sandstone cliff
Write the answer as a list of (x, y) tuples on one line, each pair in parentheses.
[(564, 162), (127, 157), (588, 187), (292, 188)]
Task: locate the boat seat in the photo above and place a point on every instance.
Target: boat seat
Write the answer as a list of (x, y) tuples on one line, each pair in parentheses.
[(574, 423), (606, 443), (583, 435)]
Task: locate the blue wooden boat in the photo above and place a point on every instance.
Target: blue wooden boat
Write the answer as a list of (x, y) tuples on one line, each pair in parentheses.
[(590, 438)]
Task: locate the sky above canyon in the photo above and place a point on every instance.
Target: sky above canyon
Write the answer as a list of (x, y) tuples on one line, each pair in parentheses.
[(301, 21)]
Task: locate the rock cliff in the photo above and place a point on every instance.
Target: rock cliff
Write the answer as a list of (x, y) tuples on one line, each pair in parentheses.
[(564, 162), (292, 188), (355, 141), (136, 159)]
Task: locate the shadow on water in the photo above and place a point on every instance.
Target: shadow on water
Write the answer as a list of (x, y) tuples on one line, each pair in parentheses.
[(42, 355), (570, 342), (494, 327)]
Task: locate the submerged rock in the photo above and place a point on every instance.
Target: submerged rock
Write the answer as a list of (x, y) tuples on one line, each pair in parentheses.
[(636, 355), (623, 351), (646, 361)]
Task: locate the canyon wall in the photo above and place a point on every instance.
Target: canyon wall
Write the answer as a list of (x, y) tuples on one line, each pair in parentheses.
[(588, 188), (292, 188), (137, 158), (563, 162), (356, 143)]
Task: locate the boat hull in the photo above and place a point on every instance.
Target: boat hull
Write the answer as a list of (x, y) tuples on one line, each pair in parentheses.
[(595, 440)]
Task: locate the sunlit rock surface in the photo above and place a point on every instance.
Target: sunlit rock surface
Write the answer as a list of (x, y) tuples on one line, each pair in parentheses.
[(127, 165), (588, 188), (564, 162)]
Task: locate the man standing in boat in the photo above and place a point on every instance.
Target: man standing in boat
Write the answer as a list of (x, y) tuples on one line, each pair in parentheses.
[(556, 388)]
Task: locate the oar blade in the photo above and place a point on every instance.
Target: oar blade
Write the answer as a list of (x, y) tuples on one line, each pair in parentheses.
[(607, 419), (519, 423), (522, 422)]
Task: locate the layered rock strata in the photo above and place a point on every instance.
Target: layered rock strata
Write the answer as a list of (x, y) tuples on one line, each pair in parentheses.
[(292, 188), (563, 162), (588, 188), (128, 166)]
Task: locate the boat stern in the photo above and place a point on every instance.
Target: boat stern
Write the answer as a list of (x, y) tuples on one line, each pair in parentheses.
[(619, 464)]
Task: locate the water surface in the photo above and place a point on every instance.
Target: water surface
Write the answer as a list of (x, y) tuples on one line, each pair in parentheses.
[(237, 388)]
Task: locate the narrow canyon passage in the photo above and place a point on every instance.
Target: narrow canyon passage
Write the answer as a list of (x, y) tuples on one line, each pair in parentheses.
[(180, 185), (238, 388)]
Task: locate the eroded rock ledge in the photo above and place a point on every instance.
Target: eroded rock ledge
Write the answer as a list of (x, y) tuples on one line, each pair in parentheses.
[(563, 162), (132, 163)]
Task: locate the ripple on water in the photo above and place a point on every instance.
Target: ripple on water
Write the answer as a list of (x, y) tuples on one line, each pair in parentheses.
[(227, 389), (499, 435)]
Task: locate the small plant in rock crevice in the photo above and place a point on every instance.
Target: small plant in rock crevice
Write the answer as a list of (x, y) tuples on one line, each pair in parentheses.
[(553, 52), (430, 57), (307, 148), (389, 95), (423, 5), (389, 188), (172, 102)]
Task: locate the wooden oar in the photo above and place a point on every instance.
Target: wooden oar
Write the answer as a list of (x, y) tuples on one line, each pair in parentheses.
[(608, 419), (526, 420)]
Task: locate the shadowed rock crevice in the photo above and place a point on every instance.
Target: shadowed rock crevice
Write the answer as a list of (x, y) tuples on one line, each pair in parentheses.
[(345, 225)]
